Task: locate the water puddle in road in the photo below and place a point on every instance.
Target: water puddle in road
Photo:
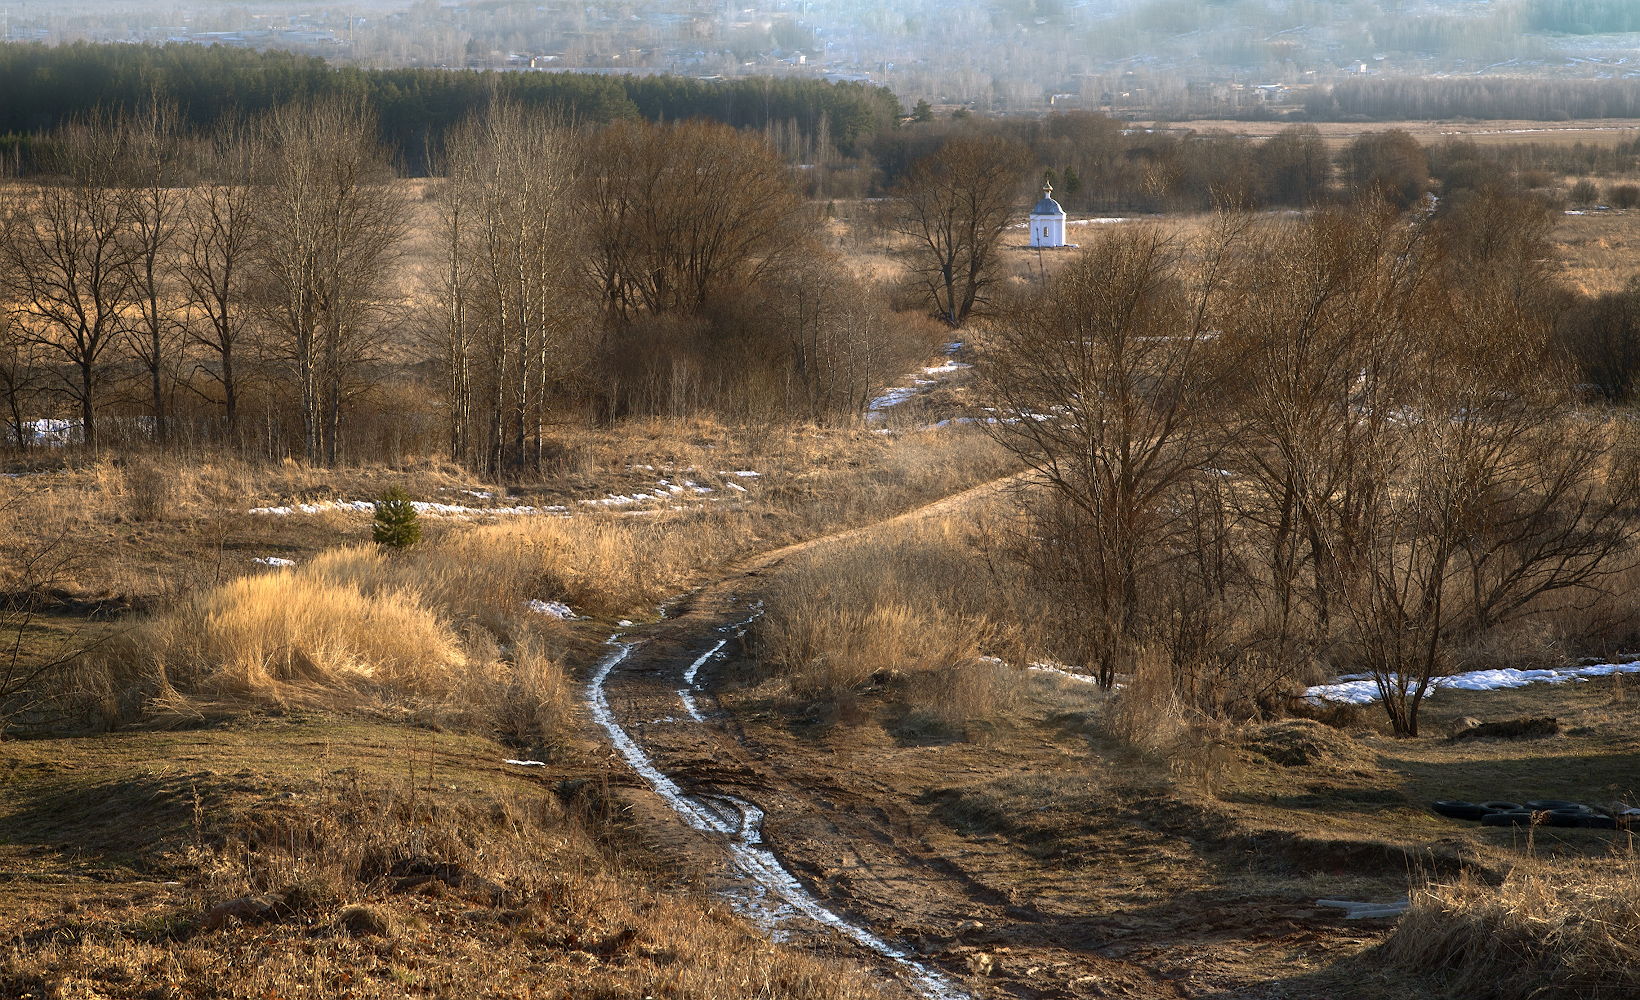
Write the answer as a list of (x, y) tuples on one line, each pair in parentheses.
[(772, 895)]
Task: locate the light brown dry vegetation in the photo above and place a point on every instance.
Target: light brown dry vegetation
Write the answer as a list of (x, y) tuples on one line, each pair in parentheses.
[(919, 610), (1600, 250), (444, 627), (400, 862), (1547, 931)]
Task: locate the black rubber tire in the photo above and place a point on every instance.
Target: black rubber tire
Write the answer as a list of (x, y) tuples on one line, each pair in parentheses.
[(1501, 806), (1557, 804), (1457, 809), (1564, 817), (1595, 821), (1512, 817)]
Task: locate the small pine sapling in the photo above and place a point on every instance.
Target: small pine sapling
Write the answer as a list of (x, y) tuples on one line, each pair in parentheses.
[(396, 523)]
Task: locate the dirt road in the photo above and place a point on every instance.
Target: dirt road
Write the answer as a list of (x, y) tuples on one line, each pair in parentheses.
[(844, 839)]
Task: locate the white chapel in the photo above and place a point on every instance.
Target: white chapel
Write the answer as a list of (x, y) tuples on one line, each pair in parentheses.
[(1047, 221)]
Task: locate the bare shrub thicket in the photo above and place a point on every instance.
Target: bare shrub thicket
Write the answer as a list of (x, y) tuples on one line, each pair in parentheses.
[(1341, 443), (716, 293)]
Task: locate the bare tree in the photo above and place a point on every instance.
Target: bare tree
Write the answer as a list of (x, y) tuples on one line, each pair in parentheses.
[(1099, 385), (667, 239), (524, 174), (955, 206), (331, 232), (1322, 318), (219, 250), (1498, 496), (68, 257), (451, 328), (21, 378), (151, 155)]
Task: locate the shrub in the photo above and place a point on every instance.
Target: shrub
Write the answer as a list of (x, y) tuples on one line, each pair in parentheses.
[(1585, 193), (1624, 195), (396, 523)]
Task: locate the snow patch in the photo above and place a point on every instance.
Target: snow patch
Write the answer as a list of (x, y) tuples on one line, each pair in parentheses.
[(422, 507), (552, 609), (1360, 689), (273, 561)]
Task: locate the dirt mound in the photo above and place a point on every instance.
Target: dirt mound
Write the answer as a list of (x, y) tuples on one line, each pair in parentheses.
[(1299, 743), (1514, 729)]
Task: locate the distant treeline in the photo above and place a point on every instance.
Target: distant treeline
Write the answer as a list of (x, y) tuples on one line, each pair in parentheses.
[(1583, 17), (1487, 98), (41, 87)]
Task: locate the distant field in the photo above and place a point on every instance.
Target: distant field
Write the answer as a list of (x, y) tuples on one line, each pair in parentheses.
[(1604, 131), (1598, 248)]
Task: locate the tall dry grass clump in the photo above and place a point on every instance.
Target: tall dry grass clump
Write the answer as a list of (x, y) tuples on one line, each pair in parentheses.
[(1145, 711), (1543, 933), (313, 637), (919, 607), (443, 627)]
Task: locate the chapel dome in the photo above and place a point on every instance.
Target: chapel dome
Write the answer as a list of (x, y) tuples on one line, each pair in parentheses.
[(1047, 206)]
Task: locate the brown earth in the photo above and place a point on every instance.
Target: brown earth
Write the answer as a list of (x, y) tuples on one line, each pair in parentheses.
[(1027, 860)]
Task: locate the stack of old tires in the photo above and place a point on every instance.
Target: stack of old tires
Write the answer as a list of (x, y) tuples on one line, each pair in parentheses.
[(1537, 812)]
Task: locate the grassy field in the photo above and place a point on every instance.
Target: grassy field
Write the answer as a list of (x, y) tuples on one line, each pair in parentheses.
[(370, 860)]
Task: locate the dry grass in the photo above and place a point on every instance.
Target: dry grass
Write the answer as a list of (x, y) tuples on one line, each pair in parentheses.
[(445, 627), (1600, 251), (915, 602), (1145, 712), (1570, 931), (388, 881)]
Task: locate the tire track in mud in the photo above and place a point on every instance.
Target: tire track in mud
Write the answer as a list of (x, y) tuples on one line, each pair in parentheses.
[(740, 823), (772, 895), (868, 879)]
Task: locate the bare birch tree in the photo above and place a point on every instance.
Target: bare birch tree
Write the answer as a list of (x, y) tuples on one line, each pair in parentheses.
[(525, 178), (154, 192), (218, 254), (451, 328), (330, 234)]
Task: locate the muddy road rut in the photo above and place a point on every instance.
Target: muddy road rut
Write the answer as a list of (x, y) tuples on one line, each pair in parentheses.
[(834, 845)]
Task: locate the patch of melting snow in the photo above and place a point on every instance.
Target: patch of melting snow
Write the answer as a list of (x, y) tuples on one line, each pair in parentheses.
[(775, 895), (552, 609), (527, 763), (273, 561), (685, 694), (1048, 668), (1359, 689), (1364, 911), (422, 507)]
